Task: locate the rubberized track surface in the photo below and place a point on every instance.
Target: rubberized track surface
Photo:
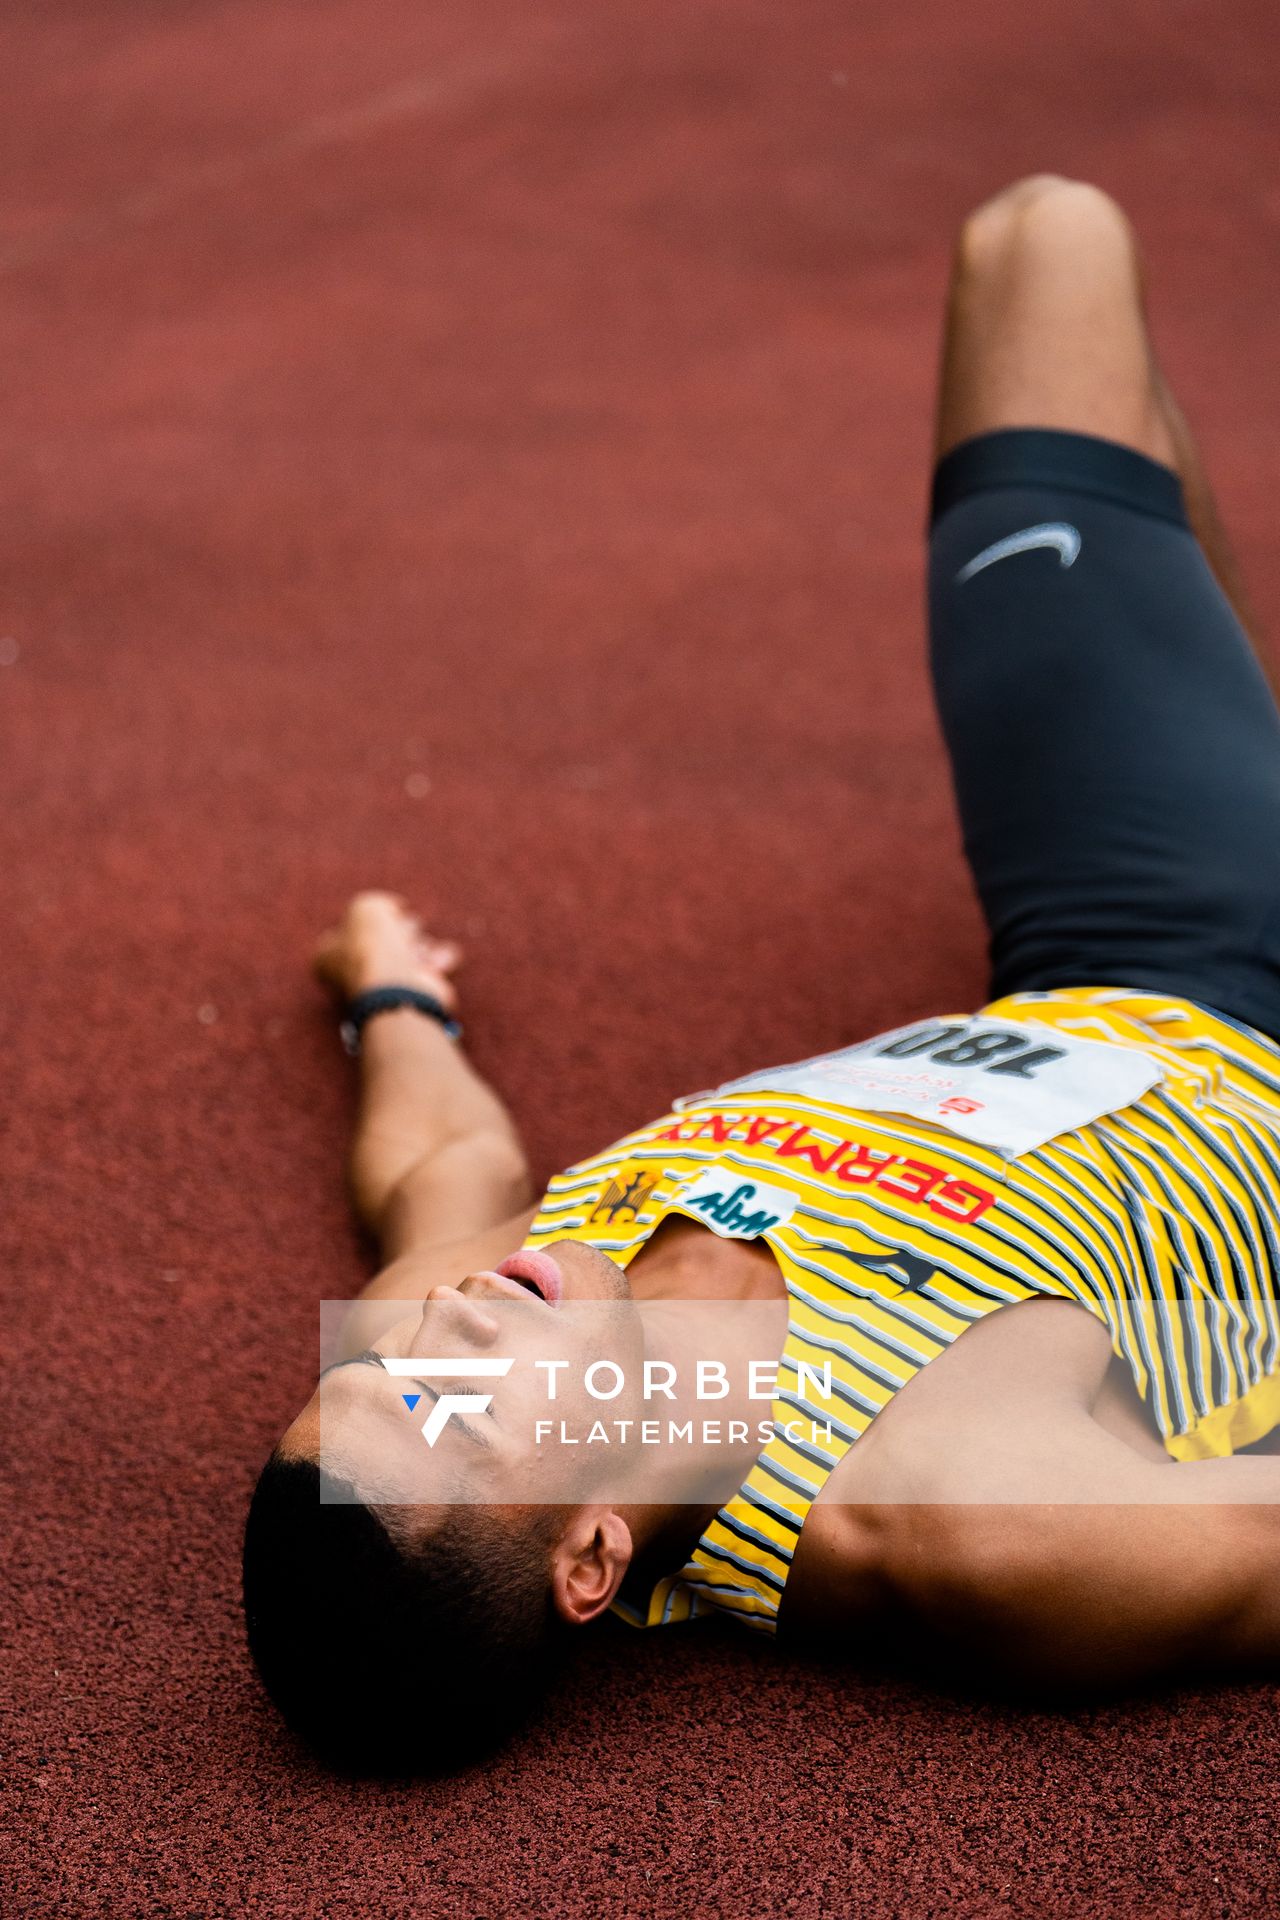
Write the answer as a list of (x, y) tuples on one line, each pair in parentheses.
[(482, 450)]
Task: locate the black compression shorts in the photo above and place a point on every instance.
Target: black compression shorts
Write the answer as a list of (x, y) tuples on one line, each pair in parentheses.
[(1116, 748)]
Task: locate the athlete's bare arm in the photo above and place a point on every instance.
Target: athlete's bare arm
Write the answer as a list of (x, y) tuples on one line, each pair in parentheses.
[(991, 1521), (438, 1172)]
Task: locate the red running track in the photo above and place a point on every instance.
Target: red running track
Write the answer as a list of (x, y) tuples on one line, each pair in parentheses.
[(531, 402)]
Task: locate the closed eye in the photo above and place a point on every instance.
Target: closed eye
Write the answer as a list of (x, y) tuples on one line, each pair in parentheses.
[(369, 1358), (372, 1358)]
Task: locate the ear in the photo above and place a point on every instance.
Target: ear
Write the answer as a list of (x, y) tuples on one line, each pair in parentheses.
[(589, 1563)]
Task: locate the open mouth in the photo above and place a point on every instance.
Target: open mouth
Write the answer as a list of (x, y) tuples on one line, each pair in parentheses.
[(537, 1273)]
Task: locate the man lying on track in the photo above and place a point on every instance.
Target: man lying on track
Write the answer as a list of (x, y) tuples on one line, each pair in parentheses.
[(1059, 1499)]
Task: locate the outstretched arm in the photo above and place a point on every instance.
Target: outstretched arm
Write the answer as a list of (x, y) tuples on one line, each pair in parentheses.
[(436, 1162)]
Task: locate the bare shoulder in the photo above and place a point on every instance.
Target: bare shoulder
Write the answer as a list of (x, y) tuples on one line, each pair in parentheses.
[(921, 1507)]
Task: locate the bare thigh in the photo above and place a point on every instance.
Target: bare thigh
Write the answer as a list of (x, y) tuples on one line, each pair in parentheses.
[(1047, 327), (1046, 324)]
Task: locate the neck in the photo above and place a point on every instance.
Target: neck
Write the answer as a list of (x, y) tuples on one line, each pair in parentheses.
[(662, 1538), (674, 1487), (682, 1260)]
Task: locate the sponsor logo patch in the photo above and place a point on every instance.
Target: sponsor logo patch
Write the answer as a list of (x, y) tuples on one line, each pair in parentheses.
[(735, 1208)]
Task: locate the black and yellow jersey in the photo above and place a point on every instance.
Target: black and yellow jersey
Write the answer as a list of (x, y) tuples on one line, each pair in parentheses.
[(894, 1233)]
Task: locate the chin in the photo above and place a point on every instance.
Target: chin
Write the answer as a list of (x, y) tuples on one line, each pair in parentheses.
[(593, 1275)]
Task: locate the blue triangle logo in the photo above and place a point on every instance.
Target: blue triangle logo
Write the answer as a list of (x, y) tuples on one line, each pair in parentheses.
[(411, 1400)]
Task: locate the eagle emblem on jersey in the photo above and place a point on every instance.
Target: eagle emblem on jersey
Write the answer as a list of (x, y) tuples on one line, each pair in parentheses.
[(624, 1196)]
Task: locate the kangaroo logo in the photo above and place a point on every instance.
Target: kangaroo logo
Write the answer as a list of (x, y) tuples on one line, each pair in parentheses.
[(911, 1270), (467, 1368)]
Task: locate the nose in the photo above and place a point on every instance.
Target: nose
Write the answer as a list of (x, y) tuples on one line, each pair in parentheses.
[(448, 1311)]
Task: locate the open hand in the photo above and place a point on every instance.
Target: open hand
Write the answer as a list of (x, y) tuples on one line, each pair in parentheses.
[(379, 942)]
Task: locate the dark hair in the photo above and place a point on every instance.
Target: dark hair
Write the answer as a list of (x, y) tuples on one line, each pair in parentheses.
[(391, 1652)]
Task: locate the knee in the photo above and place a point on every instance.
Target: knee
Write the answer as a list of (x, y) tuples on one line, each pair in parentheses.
[(1043, 224)]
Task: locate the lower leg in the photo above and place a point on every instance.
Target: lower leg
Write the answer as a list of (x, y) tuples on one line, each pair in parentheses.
[(1046, 327)]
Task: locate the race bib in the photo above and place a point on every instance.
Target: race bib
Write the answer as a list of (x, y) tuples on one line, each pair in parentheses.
[(1011, 1086)]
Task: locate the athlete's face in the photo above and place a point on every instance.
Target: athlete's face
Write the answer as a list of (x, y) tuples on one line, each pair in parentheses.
[(516, 1341)]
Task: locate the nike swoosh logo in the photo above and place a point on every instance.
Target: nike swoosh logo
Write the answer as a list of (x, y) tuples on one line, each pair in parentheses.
[(1054, 533)]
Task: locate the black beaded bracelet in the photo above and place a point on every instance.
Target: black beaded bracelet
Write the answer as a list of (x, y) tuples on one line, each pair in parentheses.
[(364, 1006)]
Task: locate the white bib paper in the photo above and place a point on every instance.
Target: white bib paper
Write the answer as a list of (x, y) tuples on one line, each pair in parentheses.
[(1010, 1085)]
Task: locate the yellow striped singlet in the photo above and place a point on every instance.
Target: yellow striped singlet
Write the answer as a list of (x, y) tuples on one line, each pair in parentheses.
[(1161, 1218)]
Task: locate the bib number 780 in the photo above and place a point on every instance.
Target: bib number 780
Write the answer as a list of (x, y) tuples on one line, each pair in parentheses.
[(1002, 1052)]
